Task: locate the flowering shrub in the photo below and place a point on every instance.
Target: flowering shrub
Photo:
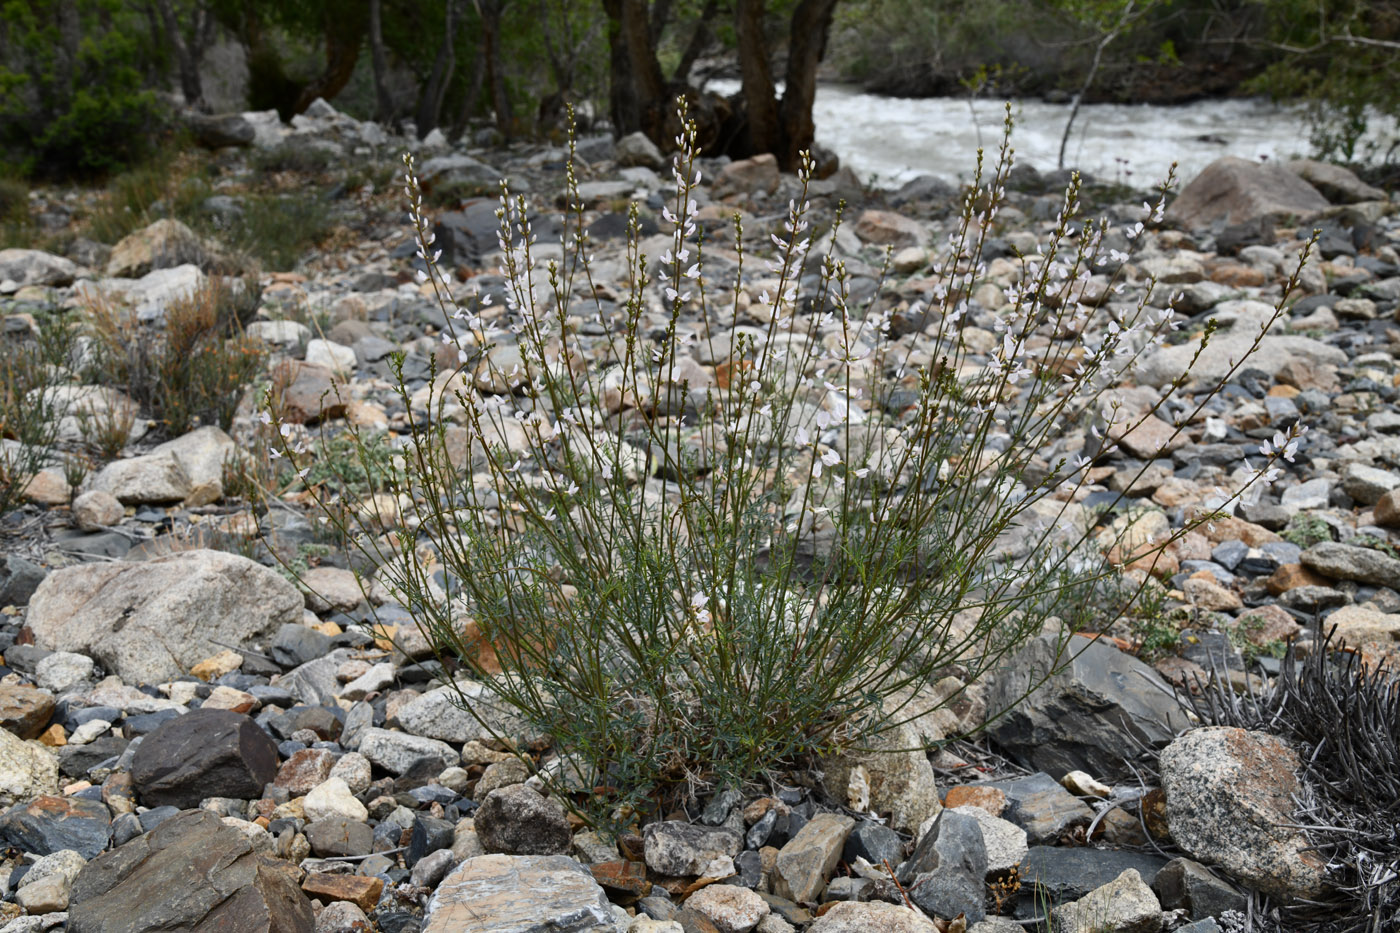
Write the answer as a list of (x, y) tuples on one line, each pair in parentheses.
[(694, 538)]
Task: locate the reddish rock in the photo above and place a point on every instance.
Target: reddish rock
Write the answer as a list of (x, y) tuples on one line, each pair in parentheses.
[(627, 877), (1291, 576), (991, 799), (305, 770)]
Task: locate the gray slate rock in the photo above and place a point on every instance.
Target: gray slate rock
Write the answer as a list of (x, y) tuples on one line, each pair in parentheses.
[(50, 824), (1100, 707), (205, 753), (1348, 562), (946, 875), (1040, 806), (190, 873), (517, 820), (19, 578), (1183, 884), (1067, 873)]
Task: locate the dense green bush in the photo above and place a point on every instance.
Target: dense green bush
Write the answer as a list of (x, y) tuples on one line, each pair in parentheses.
[(73, 97)]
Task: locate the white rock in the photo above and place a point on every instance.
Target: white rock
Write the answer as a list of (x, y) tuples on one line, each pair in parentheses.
[(62, 670), (355, 770), (334, 356), (96, 510), (332, 799)]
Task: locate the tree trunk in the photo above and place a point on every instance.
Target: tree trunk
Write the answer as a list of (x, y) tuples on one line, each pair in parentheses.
[(383, 104), (186, 59), (699, 41), (811, 24), (345, 30), (431, 96), (490, 12), (638, 91), (757, 77)]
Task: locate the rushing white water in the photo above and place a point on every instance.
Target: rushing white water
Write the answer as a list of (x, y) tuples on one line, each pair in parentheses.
[(888, 140)]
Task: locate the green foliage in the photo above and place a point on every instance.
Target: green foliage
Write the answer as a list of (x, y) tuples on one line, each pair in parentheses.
[(279, 228), (73, 98), (687, 581), (1305, 530), (31, 364), (1339, 56), (170, 183), (347, 465), (1243, 636)]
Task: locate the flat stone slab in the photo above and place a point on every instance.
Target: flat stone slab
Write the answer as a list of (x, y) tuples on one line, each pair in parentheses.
[(519, 894)]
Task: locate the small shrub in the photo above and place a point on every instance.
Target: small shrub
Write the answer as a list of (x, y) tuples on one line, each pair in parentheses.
[(1341, 713), (689, 577), (190, 371), (1305, 530), (168, 184), (30, 364), (299, 158), (279, 229)]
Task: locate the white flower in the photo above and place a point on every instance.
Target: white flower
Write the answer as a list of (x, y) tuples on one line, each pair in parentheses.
[(831, 458)]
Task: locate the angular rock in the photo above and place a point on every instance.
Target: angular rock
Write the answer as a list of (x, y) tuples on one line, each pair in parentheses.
[(1043, 808), (202, 454), (24, 710), (1067, 873), (519, 894), (638, 149), (305, 770), (152, 621), (517, 820), (49, 824), (205, 753), (397, 752), (1188, 885), (307, 393), (332, 799), (150, 479), (805, 862), (1230, 794), (359, 890), (758, 175), (19, 578), (1237, 191), (338, 837), (1124, 905), (48, 884), (1004, 841), (440, 714), (189, 873), (947, 874), (1348, 562), (679, 849), (1085, 717), (164, 244)]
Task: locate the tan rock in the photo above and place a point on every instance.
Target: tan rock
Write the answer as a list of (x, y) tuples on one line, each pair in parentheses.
[(807, 860), (216, 666), (1205, 593)]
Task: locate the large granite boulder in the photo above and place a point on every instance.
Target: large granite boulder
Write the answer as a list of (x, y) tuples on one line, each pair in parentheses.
[(1236, 191), (151, 622)]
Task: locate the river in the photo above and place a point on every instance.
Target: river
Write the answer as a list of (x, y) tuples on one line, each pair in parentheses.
[(889, 140)]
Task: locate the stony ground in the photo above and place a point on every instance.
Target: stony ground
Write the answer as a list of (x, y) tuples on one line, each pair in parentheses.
[(191, 740)]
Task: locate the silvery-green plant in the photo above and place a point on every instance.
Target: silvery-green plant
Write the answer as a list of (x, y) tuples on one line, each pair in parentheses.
[(733, 519)]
